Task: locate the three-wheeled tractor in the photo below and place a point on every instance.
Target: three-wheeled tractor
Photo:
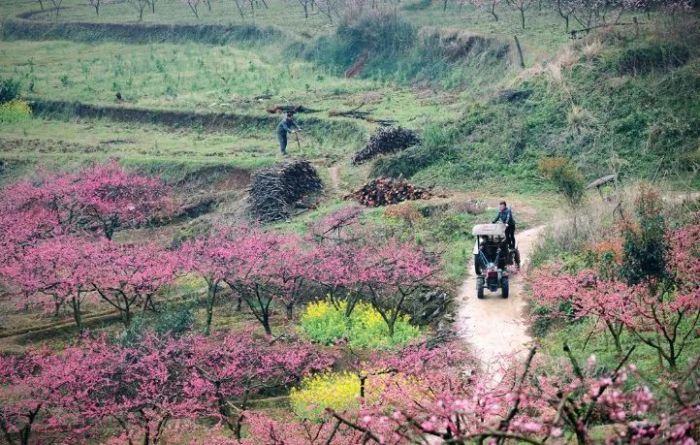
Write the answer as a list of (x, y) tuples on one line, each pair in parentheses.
[(492, 256)]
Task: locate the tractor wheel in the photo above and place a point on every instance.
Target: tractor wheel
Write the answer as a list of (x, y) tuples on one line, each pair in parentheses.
[(504, 287), (477, 265), (480, 287)]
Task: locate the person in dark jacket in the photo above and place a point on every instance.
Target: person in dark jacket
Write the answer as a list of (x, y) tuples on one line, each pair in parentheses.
[(286, 126), (505, 215)]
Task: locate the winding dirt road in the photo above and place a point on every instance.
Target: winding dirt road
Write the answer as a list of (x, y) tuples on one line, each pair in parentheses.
[(495, 327)]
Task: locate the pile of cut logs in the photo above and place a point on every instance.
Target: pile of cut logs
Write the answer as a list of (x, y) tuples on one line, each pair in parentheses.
[(273, 191), (386, 140), (384, 191)]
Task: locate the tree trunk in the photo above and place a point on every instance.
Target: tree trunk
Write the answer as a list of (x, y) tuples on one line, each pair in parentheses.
[(126, 313), (77, 316), (57, 303), (211, 300), (26, 432), (615, 335), (493, 11), (290, 309), (522, 18), (265, 320), (240, 10), (194, 10), (521, 60)]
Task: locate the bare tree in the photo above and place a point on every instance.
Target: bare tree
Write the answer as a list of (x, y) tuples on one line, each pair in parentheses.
[(520, 6), (565, 9), (193, 5), (96, 5), (139, 6), (488, 6), (57, 5), (240, 8), (305, 4)]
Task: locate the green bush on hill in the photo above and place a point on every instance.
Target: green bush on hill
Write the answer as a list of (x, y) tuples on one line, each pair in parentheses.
[(385, 46), (9, 90)]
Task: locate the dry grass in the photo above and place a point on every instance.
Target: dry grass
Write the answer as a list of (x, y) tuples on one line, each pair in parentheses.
[(600, 218), (592, 49), (554, 74), (578, 116), (471, 206), (566, 58)]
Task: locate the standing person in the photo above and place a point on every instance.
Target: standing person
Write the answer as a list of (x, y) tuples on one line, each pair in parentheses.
[(505, 215), (287, 125)]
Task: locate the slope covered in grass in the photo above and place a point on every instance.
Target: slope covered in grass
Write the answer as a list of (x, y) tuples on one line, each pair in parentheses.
[(608, 102)]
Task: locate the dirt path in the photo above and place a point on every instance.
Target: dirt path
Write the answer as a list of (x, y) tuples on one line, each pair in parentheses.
[(495, 327)]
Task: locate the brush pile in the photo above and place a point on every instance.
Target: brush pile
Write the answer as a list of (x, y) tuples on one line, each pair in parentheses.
[(386, 140), (274, 191), (384, 191)]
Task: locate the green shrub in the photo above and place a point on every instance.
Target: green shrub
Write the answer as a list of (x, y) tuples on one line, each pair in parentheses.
[(420, 5), (174, 319), (644, 247), (14, 111), (410, 161), (566, 177), (438, 142), (545, 318), (325, 323), (9, 90), (337, 391), (648, 58), (378, 37), (368, 329)]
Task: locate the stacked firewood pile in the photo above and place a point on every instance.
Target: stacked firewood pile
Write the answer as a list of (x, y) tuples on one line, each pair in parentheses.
[(274, 191), (386, 140), (384, 191)]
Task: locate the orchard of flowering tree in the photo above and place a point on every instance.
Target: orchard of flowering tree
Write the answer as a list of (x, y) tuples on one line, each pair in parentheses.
[(60, 254)]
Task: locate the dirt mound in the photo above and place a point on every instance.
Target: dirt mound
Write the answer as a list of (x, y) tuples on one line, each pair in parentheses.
[(386, 140), (384, 191), (276, 190)]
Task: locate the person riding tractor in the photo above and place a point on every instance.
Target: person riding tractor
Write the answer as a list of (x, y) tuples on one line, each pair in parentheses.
[(494, 250), (505, 216)]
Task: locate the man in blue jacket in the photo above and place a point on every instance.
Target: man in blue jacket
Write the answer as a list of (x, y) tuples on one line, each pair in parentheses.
[(287, 125), (505, 215)]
